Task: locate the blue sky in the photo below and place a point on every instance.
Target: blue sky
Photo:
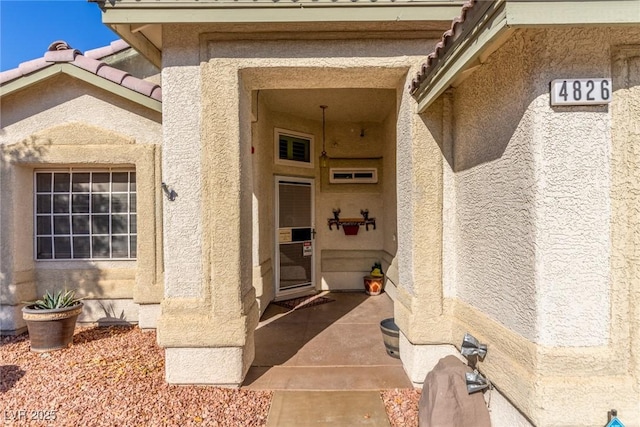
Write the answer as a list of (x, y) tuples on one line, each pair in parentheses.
[(28, 27)]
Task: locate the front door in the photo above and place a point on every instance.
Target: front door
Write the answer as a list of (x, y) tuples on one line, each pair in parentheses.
[(294, 236)]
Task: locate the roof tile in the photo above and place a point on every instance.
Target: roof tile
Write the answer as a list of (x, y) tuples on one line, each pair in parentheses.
[(61, 55), (157, 94), (112, 74), (7, 76), (60, 52), (448, 38), (89, 64), (33, 65), (115, 47), (142, 86)]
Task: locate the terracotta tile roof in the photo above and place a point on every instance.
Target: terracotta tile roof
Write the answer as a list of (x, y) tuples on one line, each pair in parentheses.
[(444, 45), (61, 52)]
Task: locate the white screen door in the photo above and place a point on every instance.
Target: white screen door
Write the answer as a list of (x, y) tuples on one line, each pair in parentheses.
[(294, 236)]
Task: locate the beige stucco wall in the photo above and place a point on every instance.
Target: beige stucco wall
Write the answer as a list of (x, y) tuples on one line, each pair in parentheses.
[(531, 227), (62, 123), (212, 303), (340, 261)]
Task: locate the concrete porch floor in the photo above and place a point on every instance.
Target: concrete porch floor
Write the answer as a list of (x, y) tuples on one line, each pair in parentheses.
[(333, 346)]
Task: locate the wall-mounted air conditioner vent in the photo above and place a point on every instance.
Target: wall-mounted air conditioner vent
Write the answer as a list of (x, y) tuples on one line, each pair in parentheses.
[(353, 175)]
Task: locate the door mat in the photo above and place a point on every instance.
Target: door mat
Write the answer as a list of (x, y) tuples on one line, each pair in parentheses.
[(303, 302)]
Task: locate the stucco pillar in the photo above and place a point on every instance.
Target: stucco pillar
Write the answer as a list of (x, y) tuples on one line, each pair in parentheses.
[(425, 335), (209, 312), (16, 280)]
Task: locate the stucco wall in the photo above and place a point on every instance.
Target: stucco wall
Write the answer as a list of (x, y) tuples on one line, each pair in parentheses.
[(495, 188), (534, 219), (343, 141), (532, 193), (62, 123), (212, 166)]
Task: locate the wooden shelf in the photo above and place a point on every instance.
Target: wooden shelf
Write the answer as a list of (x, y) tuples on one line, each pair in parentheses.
[(351, 222)]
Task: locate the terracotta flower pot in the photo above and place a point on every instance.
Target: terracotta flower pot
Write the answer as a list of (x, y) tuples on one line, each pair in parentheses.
[(373, 284), (51, 330)]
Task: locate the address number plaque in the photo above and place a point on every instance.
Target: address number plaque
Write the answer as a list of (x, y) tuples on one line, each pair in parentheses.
[(580, 91)]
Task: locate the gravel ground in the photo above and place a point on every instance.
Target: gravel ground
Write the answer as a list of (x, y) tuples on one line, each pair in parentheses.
[(114, 376), (402, 406)]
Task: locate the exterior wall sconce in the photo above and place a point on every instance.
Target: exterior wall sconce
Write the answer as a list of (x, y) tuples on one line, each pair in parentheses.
[(472, 347), (474, 351), (475, 382), (170, 193), (324, 159)]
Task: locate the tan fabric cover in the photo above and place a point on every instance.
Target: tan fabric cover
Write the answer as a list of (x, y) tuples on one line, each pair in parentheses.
[(445, 401)]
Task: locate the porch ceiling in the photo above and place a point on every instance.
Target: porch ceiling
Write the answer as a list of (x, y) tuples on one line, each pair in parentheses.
[(345, 105)]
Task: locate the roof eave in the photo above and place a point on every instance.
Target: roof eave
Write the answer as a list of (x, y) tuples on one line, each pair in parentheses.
[(462, 58), (497, 26), (71, 70), (131, 19)]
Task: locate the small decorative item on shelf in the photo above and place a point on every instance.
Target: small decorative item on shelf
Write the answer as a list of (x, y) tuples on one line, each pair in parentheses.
[(374, 282), (350, 226)]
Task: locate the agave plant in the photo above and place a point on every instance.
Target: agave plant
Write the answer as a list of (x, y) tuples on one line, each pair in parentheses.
[(60, 299)]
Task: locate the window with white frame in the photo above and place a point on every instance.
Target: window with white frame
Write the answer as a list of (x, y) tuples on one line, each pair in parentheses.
[(353, 176), (82, 214), (293, 148)]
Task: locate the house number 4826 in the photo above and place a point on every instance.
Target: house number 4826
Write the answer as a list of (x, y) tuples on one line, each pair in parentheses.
[(580, 91)]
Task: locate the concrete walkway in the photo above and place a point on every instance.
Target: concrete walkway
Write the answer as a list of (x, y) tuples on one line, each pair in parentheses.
[(327, 363), (327, 408), (333, 346)]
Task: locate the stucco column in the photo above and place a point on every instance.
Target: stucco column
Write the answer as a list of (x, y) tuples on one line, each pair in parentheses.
[(209, 312), (419, 306), (16, 278)]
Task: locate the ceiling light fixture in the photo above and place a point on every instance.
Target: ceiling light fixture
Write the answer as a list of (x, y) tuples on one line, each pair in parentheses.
[(323, 157)]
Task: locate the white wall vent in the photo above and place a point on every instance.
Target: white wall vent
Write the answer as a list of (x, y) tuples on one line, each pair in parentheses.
[(353, 175)]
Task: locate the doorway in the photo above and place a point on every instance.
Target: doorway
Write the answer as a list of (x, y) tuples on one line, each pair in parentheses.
[(294, 225)]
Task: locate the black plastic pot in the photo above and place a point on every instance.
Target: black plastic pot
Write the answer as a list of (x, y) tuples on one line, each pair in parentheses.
[(51, 330)]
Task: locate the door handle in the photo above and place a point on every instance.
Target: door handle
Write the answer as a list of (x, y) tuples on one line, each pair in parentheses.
[(313, 234)]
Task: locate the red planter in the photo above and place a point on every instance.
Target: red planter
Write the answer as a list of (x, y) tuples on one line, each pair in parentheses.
[(350, 230)]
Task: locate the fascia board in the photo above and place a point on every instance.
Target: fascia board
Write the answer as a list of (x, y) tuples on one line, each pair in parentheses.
[(30, 79), (600, 12), (277, 12), (464, 56), (92, 79)]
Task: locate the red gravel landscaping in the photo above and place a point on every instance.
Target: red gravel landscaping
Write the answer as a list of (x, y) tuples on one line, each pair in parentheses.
[(114, 376)]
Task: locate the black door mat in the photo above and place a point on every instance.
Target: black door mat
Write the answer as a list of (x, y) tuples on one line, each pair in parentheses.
[(303, 302)]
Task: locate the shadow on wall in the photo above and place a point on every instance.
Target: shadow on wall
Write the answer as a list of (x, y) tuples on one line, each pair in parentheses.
[(28, 150), (106, 298), (480, 134)]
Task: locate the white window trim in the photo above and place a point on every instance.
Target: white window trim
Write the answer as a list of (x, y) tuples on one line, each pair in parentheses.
[(276, 144), (35, 214), (372, 180)]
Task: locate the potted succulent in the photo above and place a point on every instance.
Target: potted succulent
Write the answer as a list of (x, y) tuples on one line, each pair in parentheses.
[(374, 282), (51, 320)]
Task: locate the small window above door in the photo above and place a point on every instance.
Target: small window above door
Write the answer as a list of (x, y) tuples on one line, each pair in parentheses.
[(293, 148), (353, 175)]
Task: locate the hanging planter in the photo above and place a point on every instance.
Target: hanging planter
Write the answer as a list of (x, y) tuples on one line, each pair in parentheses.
[(350, 229)]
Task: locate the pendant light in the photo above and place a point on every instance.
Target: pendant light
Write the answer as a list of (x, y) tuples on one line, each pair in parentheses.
[(323, 157)]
